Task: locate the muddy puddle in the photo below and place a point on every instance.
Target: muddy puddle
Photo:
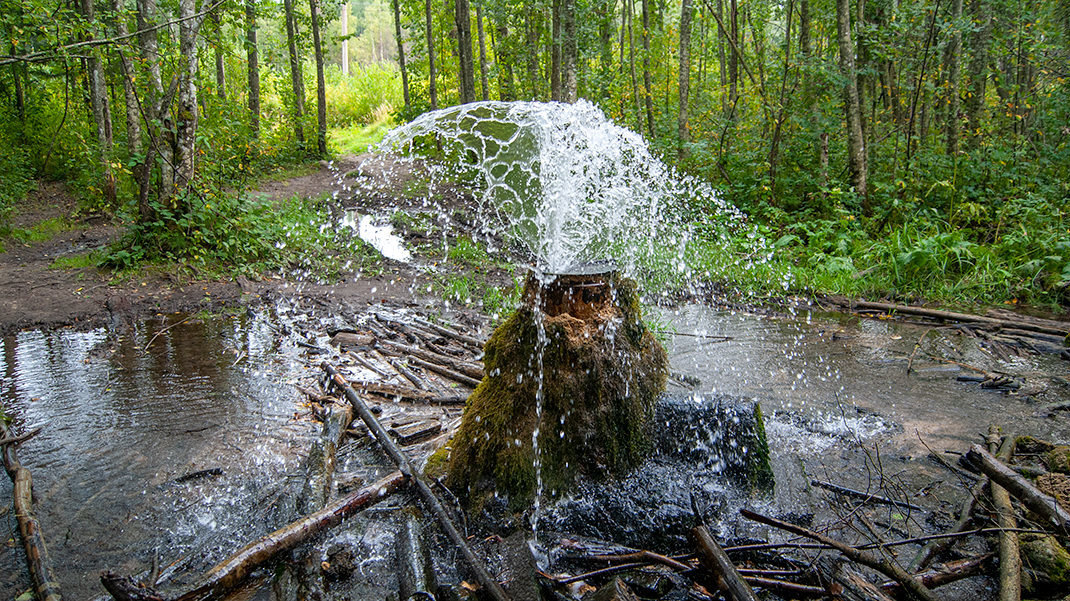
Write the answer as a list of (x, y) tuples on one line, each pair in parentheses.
[(126, 415)]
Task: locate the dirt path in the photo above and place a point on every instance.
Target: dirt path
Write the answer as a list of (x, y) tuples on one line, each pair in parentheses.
[(36, 293)]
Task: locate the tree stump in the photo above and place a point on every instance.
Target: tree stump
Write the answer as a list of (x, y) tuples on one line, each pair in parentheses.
[(578, 350)]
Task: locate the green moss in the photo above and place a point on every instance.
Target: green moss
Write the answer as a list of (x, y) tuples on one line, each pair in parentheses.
[(1058, 459), (598, 391), (759, 469), (1046, 564)]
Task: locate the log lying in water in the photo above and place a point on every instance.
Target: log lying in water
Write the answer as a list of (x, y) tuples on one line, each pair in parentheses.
[(44, 583), (232, 571)]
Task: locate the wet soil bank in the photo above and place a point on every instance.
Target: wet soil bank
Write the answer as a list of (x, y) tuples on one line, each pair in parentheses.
[(36, 293)]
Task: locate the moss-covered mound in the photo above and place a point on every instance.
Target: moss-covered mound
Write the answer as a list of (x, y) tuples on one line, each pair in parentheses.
[(602, 372)]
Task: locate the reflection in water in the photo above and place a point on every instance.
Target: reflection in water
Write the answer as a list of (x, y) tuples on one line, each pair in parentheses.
[(123, 416)]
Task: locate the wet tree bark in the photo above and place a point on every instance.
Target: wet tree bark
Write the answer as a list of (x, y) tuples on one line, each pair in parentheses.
[(401, 55), (321, 84), (44, 583), (253, 64), (297, 80)]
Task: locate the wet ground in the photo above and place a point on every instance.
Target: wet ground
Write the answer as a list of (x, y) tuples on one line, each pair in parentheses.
[(126, 413)]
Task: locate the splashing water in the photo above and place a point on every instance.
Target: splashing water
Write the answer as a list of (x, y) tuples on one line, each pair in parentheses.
[(564, 181)]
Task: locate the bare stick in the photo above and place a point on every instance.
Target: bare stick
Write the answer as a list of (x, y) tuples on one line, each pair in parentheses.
[(33, 541), (448, 333), (865, 496), (398, 457), (648, 557), (948, 572), (715, 560), (889, 569), (21, 437), (964, 317)]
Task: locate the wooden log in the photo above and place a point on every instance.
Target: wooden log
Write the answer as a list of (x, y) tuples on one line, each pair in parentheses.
[(1043, 505), (846, 584), (947, 573), (409, 375), (236, 568), (45, 586), (475, 343), (1061, 331), (123, 588), (491, 586), (469, 369), (445, 371), (1010, 556), (392, 390), (911, 586), (715, 560)]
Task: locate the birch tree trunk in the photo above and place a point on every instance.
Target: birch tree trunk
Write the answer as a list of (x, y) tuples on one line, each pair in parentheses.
[(344, 17), (431, 75), (186, 124), (401, 55), (321, 84), (856, 152), (98, 98)]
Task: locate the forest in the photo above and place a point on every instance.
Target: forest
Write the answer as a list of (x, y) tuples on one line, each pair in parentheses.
[(916, 150)]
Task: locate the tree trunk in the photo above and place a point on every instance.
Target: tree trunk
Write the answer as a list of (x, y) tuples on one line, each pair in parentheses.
[(646, 69), (133, 119), (401, 56), (253, 54), (186, 123), (605, 10), (463, 20), (431, 74), (220, 71), (631, 64), (733, 58), (569, 51), (532, 40), (683, 135), (484, 83), (297, 79), (98, 97), (856, 152), (155, 112), (978, 68), (954, 61), (344, 18), (555, 50), (321, 84)]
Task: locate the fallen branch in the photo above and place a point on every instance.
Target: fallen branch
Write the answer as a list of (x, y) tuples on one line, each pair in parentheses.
[(33, 542), (468, 369), (947, 573), (865, 496), (398, 457), (448, 333), (445, 371), (715, 560), (233, 570), (1043, 505), (963, 317), (6, 440), (785, 587), (646, 557), (912, 586)]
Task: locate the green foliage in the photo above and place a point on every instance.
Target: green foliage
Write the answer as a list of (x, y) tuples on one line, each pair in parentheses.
[(224, 234), (368, 95)]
